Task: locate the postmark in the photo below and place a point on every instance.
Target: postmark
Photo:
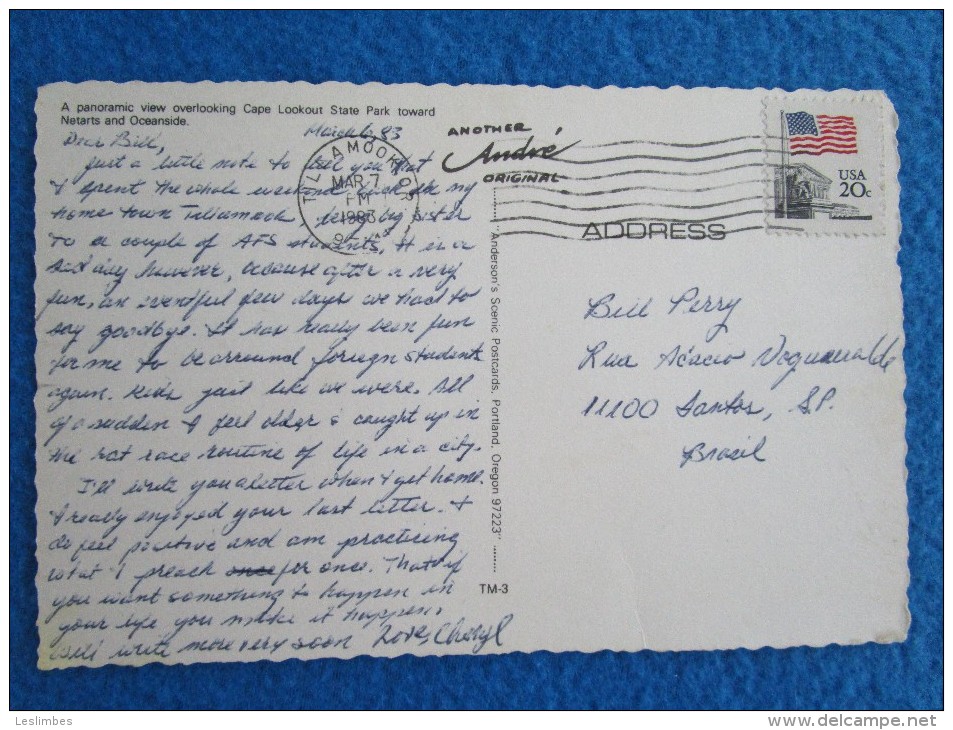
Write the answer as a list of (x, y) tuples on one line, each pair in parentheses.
[(357, 195), (824, 163)]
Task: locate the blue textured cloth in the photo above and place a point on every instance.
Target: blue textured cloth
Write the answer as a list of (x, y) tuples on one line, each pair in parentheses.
[(900, 52)]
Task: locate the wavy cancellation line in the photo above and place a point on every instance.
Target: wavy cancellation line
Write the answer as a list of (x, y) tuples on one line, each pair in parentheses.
[(666, 158), (690, 145), (632, 188), (685, 145), (715, 219), (728, 231), (632, 205), (680, 173)]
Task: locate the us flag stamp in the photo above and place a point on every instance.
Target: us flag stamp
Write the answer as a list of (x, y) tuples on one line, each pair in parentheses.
[(824, 163)]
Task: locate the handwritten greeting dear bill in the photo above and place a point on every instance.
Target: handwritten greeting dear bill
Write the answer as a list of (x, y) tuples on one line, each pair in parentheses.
[(335, 370)]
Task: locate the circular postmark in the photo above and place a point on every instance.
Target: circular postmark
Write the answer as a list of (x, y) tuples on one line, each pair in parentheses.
[(356, 194)]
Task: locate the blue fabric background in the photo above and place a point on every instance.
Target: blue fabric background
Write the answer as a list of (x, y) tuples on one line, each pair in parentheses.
[(900, 52)]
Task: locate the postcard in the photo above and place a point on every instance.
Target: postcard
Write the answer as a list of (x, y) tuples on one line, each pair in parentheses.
[(336, 370)]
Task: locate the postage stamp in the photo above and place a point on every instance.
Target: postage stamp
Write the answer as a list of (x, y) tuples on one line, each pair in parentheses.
[(824, 163)]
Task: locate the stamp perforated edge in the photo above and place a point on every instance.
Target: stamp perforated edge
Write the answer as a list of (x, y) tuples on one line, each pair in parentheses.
[(888, 146)]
